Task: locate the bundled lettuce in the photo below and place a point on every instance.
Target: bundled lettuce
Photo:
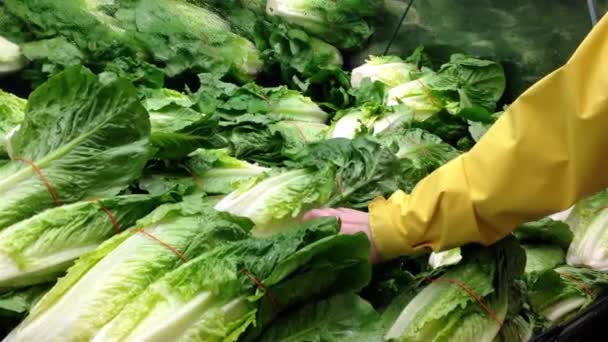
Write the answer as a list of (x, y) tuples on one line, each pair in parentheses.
[(87, 138), (234, 290), (12, 110), (131, 35), (305, 62), (589, 222), (559, 294), (443, 310), (185, 37), (337, 172), (344, 24), (344, 317), (108, 278), (42, 247), (62, 34)]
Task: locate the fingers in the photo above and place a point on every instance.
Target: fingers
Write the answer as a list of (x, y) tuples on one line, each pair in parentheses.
[(313, 214)]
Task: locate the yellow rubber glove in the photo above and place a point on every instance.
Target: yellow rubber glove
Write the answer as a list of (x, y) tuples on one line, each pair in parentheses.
[(548, 150)]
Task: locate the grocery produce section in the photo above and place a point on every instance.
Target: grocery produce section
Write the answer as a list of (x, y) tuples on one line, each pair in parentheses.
[(157, 158)]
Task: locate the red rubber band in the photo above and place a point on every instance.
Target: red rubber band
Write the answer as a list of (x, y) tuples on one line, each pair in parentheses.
[(267, 292), (44, 180), (171, 248), (579, 283), (470, 292), (113, 219)]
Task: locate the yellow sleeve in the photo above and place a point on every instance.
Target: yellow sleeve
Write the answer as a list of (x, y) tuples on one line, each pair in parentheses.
[(549, 149)]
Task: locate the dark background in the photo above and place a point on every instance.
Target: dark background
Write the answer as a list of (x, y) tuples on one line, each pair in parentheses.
[(530, 38)]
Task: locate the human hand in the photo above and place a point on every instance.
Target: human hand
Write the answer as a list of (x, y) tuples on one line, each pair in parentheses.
[(351, 222)]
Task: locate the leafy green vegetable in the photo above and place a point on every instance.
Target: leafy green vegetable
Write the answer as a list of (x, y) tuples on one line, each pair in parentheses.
[(251, 121), (342, 23), (337, 172), (68, 29), (106, 279), (341, 318), (558, 294), (466, 86), (219, 173), (543, 257), (217, 295), (88, 139), (354, 121), (184, 37), (17, 303), (545, 231), (390, 70), (11, 114), (42, 247), (275, 203), (11, 59), (589, 223), (445, 258), (443, 310)]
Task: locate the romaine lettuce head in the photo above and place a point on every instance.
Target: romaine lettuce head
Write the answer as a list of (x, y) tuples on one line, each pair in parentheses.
[(12, 111), (341, 23), (417, 96), (390, 70), (236, 289), (353, 122), (103, 281), (184, 37), (445, 311), (11, 59), (277, 202), (559, 294), (42, 247), (219, 173), (589, 222), (88, 138)]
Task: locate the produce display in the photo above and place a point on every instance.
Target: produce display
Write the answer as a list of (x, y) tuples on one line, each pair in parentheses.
[(157, 158)]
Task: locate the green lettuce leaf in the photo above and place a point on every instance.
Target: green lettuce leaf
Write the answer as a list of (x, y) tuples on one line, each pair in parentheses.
[(17, 303), (543, 257), (88, 139), (12, 110), (545, 231)]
